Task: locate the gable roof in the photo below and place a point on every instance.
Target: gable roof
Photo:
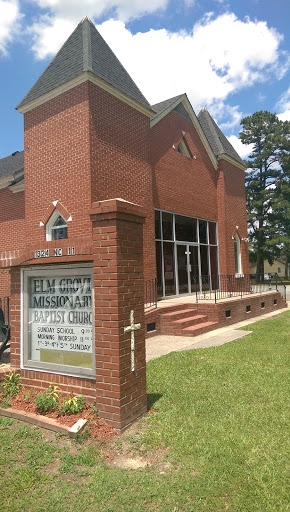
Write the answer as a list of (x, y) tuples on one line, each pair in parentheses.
[(12, 164), (181, 105), (85, 50), (216, 139), (164, 105)]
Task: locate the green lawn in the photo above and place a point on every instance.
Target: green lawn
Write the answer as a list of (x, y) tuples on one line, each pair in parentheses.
[(215, 440)]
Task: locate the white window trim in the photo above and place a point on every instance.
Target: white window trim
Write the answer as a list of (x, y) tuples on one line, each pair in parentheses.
[(237, 244), (51, 222)]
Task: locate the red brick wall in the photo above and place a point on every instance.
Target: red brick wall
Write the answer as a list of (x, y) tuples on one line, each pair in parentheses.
[(232, 213), (181, 184), (57, 162), (120, 161), (12, 233)]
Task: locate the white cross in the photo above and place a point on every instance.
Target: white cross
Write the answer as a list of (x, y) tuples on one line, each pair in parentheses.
[(132, 328)]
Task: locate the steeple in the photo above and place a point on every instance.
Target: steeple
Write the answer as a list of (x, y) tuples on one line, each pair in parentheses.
[(84, 51)]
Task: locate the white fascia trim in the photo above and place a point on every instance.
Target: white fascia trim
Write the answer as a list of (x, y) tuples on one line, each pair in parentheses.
[(195, 122), (80, 79), (232, 161), (18, 187), (6, 181)]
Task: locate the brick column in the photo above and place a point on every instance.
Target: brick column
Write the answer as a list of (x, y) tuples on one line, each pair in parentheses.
[(119, 289)]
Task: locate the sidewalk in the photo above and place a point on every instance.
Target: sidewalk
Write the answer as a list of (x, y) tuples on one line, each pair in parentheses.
[(160, 345)]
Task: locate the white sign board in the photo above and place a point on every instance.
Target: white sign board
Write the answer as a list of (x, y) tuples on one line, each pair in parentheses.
[(60, 314)]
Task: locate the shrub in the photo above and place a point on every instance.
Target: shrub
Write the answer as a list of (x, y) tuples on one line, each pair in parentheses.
[(73, 404), (11, 384), (49, 399)]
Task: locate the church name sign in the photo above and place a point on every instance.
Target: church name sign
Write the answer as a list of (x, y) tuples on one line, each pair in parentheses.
[(58, 319)]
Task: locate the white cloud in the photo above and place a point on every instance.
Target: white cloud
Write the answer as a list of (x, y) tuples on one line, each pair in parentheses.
[(244, 150), (49, 34), (283, 106), (9, 18), (218, 57), (122, 9), (226, 116), (284, 116)]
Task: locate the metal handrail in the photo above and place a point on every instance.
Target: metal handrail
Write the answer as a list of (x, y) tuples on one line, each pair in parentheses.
[(150, 294), (278, 279)]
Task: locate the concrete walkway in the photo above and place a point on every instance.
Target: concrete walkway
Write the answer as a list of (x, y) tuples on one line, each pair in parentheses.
[(160, 345)]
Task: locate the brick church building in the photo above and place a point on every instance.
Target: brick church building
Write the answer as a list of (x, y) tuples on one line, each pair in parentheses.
[(121, 194), (90, 135)]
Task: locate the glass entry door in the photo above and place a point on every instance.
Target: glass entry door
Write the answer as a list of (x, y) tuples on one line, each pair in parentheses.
[(187, 268)]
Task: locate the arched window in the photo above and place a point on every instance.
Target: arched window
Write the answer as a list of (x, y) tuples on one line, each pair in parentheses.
[(56, 228), (237, 247)]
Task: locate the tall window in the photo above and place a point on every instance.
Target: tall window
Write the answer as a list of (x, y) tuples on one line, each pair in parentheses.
[(237, 247)]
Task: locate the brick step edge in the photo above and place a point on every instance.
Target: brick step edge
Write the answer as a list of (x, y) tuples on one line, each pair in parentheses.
[(195, 330), (189, 321), (181, 313), (43, 422)]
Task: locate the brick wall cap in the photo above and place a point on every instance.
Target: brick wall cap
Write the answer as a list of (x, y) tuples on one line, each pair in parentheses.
[(116, 205)]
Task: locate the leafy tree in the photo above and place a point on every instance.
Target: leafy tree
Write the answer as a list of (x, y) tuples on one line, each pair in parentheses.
[(265, 179), (279, 217)]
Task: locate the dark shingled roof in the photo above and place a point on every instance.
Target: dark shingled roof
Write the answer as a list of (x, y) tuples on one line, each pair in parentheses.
[(163, 105), (12, 164), (84, 50), (215, 137)]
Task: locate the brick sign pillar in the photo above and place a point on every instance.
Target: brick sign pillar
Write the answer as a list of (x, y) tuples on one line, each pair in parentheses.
[(119, 311)]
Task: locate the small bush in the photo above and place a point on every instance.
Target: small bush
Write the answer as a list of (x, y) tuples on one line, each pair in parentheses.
[(11, 384), (48, 400), (73, 404)]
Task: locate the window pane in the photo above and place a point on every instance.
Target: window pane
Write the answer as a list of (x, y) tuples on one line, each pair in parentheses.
[(204, 260), (237, 256), (59, 233), (169, 268), (167, 222), (203, 231), (159, 269), (185, 228), (157, 225), (213, 261), (59, 222), (212, 232)]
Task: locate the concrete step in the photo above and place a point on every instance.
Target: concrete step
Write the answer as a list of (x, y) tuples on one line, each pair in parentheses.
[(201, 328)]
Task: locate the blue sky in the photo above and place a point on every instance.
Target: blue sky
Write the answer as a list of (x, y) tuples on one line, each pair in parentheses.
[(230, 56)]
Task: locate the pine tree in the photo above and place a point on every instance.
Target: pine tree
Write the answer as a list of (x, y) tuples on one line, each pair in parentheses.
[(279, 217), (264, 180)]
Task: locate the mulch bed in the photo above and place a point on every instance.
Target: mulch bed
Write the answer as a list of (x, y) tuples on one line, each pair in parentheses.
[(97, 427)]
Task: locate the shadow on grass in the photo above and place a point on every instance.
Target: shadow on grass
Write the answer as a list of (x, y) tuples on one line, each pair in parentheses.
[(152, 398)]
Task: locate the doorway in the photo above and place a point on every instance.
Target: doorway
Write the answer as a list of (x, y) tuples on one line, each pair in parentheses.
[(188, 280)]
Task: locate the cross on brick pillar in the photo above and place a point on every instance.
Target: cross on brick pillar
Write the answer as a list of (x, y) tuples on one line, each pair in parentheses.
[(119, 311)]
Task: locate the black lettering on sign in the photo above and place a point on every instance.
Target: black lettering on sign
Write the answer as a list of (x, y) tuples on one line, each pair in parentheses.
[(57, 251), (71, 251), (43, 253)]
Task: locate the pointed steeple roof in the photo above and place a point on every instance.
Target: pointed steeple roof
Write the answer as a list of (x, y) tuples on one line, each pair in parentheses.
[(85, 50), (216, 139)]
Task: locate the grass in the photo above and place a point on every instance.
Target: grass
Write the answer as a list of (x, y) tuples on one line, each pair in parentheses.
[(218, 423)]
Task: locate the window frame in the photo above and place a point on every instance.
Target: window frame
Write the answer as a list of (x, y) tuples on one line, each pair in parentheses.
[(50, 225), (237, 256), (31, 364)]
